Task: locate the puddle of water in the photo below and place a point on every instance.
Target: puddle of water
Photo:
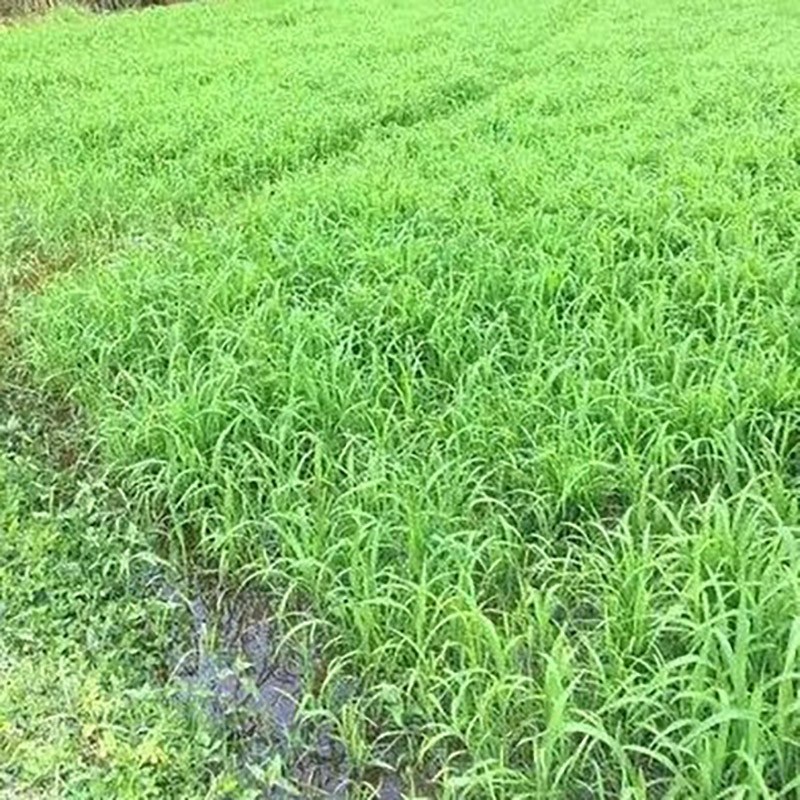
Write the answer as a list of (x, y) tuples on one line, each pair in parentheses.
[(234, 667)]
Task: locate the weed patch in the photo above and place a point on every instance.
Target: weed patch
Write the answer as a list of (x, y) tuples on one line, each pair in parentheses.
[(465, 337)]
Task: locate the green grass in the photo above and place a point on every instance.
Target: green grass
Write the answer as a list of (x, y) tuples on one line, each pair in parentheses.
[(469, 329)]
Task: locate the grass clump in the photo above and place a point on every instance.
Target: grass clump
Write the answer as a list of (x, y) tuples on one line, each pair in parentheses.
[(469, 330)]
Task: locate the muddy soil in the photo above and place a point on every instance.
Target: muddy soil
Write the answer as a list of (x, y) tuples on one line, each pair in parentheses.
[(234, 665)]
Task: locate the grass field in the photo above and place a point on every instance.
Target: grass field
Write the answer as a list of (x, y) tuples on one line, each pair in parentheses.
[(465, 334)]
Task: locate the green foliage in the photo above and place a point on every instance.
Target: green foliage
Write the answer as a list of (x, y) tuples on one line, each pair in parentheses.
[(472, 327), (81, 714)]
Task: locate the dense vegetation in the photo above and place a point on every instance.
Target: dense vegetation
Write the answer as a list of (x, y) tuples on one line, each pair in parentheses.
[(466, 332)]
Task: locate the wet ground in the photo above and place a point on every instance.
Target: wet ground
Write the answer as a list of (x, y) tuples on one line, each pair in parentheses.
[(236, 666)]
